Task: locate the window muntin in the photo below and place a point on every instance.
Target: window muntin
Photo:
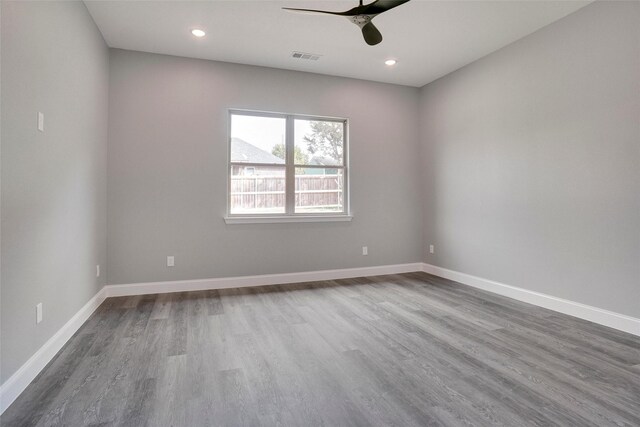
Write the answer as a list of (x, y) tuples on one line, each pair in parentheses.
[(287, 165)]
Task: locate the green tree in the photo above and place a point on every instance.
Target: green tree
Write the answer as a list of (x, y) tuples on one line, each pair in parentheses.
[(301, 158), (326, 138)]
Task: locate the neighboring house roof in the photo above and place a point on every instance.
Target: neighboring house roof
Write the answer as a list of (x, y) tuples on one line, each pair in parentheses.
[(322, 160), (242, 151)]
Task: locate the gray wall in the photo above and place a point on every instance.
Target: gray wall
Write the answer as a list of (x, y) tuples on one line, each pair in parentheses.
[(532, 161), (168, 171), (527, 174), (53, 225)]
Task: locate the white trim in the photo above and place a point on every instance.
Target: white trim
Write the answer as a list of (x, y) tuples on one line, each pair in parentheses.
[(289, 165), (19, 381), (608, 318), (16, 384), (290, 169), (288, 218), (261, 280)]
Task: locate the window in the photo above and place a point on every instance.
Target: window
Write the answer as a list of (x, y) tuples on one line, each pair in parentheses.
[(287, 167)]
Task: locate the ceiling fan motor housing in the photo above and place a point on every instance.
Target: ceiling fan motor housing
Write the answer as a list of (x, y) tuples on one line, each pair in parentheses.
[(361, 20)]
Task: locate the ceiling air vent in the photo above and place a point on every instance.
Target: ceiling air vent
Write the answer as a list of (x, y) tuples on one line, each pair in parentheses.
[(304, 55)]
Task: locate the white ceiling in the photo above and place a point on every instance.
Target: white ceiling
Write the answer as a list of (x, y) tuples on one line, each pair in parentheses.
[(428, 38)]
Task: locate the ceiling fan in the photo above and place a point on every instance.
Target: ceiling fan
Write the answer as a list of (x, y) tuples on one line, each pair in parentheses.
[(362, 16)]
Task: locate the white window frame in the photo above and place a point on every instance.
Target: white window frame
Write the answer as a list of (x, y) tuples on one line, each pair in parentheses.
[(290, 215)]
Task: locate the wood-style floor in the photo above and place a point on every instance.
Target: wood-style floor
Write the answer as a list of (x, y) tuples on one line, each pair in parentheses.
[(399, 350)]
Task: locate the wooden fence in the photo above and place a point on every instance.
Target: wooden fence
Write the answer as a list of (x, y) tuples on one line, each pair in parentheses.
[(266, 193)]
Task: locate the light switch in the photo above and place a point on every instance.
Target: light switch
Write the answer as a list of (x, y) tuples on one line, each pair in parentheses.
[(40, 121)]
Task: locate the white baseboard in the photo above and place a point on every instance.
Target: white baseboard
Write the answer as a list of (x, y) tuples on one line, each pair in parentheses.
[(593, 314), (260, 280), (582, 311), (16, 384)]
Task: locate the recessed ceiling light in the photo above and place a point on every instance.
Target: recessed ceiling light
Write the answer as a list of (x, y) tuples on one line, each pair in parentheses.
[(390, 62), (198, 33)]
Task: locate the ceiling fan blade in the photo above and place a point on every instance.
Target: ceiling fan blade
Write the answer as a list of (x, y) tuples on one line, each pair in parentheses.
[(380, 6), (371, 34), (316, 11)]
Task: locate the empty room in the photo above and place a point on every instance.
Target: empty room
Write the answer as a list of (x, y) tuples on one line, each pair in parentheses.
[(320, 213)]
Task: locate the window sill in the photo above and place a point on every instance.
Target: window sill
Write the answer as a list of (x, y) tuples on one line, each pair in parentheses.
[(288, 218)]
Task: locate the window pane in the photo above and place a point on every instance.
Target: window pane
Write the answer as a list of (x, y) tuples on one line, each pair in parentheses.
[(257, 139), (257, 189), (319, 190), (319, 142)]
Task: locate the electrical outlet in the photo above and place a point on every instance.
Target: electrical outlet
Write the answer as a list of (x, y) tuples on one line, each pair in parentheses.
[(38, 313), (432, 249), (171, 261), (365, 250), (98, 270)]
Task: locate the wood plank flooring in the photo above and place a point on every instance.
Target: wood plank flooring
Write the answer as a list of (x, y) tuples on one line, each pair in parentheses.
[(398, 350)]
